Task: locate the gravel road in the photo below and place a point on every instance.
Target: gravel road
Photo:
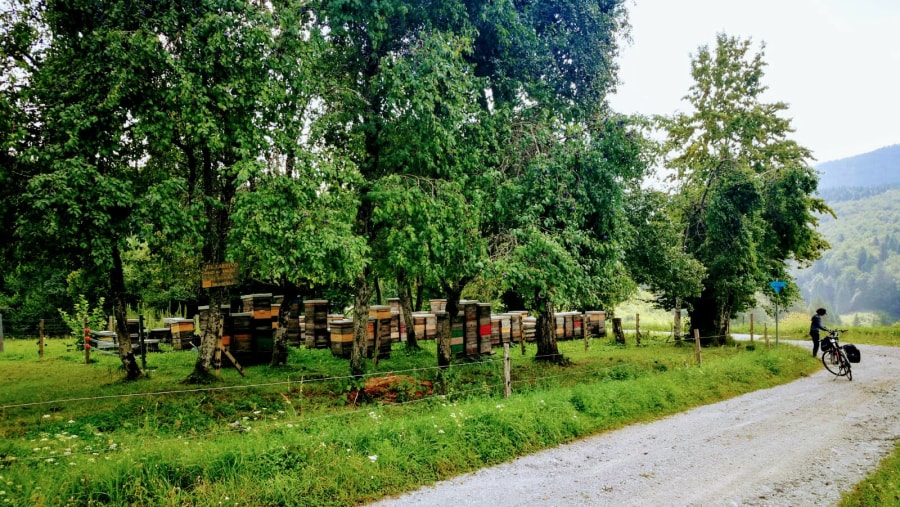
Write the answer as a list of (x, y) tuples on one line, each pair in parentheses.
[(799, 444)]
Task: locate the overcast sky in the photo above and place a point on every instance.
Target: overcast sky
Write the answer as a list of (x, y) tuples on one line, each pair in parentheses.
[(836, 63)]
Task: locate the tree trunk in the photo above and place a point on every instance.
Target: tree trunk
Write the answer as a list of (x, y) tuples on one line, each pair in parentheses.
[(117, 286), (420, 290), (360, 324), (706, 315), (406, 310), (545, 334), (676, 326), (279, 343), (443, 339), (209, 339), (219, 196), (618, 332)]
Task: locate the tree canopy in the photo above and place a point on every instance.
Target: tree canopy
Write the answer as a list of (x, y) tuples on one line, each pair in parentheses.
[(336, 146), (746, 192)]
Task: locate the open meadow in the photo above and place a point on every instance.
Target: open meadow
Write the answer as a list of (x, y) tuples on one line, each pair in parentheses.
[(78, 434)]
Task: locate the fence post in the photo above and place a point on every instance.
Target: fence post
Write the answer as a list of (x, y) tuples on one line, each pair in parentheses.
[(751, 328), (585, 332), (141, 340), (41, 339), (1, 333), (637, 328), (697, 347), (766, 334), (522, 334), (87, 343), (506, 371)]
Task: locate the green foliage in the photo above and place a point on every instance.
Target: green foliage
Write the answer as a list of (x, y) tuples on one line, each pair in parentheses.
[(655, 254), (83, 315), (745, 190)]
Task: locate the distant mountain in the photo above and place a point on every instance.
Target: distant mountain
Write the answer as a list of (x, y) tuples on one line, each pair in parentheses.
[(876, 168), (861, 271)]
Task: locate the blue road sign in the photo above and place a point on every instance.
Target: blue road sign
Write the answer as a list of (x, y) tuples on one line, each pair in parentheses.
[(777, 286)]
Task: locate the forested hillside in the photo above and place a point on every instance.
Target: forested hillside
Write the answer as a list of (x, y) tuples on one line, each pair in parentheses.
[(861, 272)]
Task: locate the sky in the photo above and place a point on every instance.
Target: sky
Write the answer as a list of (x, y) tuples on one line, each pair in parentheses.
[(836, 63)]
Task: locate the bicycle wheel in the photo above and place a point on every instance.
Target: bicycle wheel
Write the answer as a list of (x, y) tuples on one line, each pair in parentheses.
[(832, 361), (845, 366)]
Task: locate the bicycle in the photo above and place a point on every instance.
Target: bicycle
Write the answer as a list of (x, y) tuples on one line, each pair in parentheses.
[(833, 356)]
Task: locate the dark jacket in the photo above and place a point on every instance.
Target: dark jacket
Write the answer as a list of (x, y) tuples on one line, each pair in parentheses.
[(816, 325)]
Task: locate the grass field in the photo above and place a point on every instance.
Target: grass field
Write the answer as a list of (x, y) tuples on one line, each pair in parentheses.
[(76, 433)]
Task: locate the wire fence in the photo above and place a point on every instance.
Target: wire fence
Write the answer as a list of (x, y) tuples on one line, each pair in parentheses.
[(14, 326), (300, 420)]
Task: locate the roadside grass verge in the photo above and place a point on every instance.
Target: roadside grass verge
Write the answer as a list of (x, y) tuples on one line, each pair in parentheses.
[(77, 434), (796, 327), (880, 488)]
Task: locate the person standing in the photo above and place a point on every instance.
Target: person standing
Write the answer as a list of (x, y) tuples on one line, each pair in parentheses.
[(815, 326)]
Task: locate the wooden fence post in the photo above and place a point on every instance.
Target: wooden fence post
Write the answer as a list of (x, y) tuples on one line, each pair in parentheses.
[(41, 339), (766, 334), (1, 333), (676, 325), (637, 328), (522, 337), (697, 347), (87, 343), (507, 370), (585, 331)]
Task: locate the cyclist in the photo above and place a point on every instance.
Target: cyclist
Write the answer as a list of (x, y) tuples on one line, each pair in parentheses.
[(815, 326)]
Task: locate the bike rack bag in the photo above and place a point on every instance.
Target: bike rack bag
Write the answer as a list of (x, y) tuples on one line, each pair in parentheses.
[(852, 352)]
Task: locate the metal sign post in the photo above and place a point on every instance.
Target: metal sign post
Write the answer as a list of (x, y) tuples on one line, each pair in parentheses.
[(777, 286)]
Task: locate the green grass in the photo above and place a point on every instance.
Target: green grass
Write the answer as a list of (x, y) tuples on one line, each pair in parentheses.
[(795, 326), (76, 433), (879, 489)]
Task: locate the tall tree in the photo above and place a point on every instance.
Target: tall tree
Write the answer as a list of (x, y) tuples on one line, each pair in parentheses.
[(564, 220), (85, 193), (377, 52), (745, 188)]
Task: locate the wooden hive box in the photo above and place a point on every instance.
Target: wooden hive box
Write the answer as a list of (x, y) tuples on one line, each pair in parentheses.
[(496, 322), (342, 338), (182, 331), (260, 305), (560, 320), (276, 313), (457, 346), (596, 323), (438, 305), (316, 323), (505, 328), (430, 326), (419, 324), (529, 327)]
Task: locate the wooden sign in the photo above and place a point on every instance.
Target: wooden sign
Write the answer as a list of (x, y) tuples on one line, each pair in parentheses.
[(220, 275)]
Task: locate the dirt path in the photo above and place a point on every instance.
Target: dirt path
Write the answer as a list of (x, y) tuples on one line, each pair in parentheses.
[(799, 444)]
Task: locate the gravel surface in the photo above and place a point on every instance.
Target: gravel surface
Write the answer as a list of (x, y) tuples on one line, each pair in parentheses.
[(799, 444)]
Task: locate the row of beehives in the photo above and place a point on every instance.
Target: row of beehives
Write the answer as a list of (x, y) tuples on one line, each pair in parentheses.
[(474, 331)]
